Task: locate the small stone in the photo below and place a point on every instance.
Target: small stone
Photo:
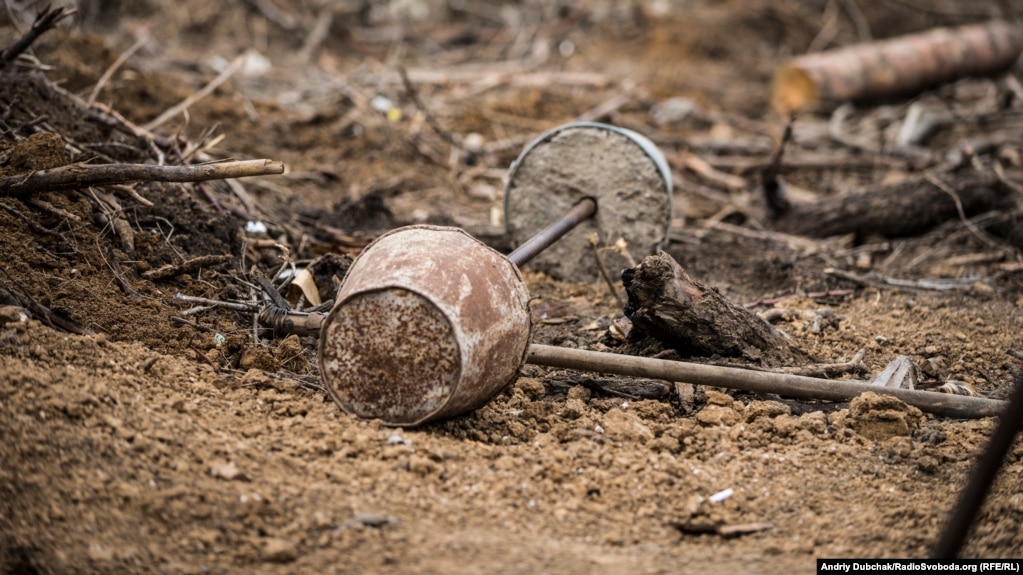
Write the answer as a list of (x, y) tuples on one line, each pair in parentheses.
[(12, 314), (519, 431), (935, 367), (814, 422), (718, 398), (99, 553), (673, 110), (768, 409), (626, 426), (291, 354), (533, 388), (927, 464), (421, 465), (786, 425), (228, 471), (716, 415), (574, 409), (880, 416), (257, 357), (579, 392), (279, 551)]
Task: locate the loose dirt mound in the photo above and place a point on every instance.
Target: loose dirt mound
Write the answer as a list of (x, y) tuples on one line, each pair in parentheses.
[(145, 433)]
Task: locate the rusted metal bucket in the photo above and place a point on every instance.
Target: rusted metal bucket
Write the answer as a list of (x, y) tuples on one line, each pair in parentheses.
[(430, 323)]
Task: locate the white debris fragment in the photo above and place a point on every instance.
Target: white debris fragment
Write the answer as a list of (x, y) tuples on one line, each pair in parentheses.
[(721, 495), (673, 111), (397, 439), (255, 227), (381, 104), (900, 373)]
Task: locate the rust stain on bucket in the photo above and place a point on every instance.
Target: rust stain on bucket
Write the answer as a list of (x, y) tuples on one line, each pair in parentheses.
[(430, 323)]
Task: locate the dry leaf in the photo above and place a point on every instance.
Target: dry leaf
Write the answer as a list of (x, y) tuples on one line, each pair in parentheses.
[(305, 282)]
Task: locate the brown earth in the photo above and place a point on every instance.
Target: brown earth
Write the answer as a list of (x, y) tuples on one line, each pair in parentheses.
[(145, 443)]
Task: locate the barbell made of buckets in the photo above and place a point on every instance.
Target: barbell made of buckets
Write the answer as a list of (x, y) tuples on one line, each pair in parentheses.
[(431, 323)]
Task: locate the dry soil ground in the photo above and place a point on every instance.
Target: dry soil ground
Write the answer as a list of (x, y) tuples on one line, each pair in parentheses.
[(155, 446)]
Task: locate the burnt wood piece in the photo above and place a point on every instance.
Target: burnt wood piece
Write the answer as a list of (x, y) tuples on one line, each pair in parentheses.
[(903, 209), (696, 320)]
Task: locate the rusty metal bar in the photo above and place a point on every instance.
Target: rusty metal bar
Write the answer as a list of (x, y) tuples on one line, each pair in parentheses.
[(579, 213), (757, 381)]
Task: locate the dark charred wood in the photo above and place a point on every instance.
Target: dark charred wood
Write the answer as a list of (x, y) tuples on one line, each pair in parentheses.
[(696, 320), (903, 209)]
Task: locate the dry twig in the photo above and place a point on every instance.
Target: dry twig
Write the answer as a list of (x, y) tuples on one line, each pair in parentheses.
[(186, 267), (882, 282), (413, 93), (236, 306), (80, 176), (114, 67), (205, 91), (44, 21)]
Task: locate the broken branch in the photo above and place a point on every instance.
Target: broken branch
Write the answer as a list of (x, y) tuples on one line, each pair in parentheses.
[(44, 21), (80, 176)]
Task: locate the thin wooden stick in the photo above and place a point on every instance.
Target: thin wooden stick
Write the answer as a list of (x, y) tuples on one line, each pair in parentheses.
[(114, 67), (605, 108), (317, 35), (958, 406), (112, 118), (700, 167), (186, 267), (413, 93), (81, 176), (236, 306), (44, 21), (858, 18), (133, 193), (205, 91)]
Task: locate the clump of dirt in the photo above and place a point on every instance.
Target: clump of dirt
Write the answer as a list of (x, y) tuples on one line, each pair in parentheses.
[(40, 151), (881, 417), (150, 429)]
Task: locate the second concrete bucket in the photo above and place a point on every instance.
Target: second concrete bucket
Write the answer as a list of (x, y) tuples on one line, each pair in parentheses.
[(621, 170), (429, 323)]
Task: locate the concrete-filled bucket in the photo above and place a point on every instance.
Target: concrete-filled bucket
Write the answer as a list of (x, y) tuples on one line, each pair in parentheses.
[(429, 323), (622, 170)]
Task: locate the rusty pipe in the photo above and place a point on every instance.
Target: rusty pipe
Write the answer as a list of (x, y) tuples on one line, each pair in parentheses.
[(543, 239)]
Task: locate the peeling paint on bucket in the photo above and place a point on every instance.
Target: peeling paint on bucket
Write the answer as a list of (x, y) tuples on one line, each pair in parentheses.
[(430, 323)]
